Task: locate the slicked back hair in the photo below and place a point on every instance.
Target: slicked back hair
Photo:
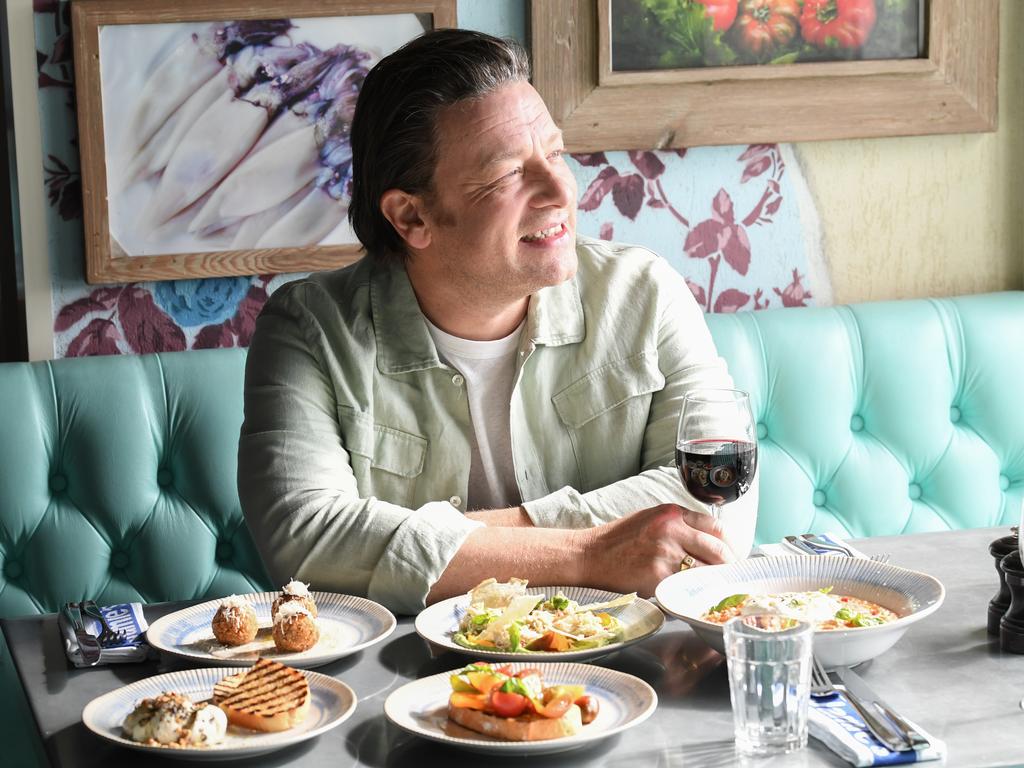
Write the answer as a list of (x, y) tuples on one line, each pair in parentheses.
[(394, 137)]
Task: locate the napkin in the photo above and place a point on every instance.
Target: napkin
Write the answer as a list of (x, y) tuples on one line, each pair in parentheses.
[(123, 616), (781, 549), (834, 722)]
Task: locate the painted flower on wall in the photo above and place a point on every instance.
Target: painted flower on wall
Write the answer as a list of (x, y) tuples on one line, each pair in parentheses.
[(163, 317), (201, 302), (715, 213)]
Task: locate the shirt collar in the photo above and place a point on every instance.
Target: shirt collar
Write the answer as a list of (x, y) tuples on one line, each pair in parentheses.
[(554, 318)]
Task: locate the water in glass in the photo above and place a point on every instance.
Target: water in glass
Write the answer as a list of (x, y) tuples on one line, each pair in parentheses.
[(769, 662)]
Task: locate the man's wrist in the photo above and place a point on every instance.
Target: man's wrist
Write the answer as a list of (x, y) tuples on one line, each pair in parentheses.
[(582, 544)]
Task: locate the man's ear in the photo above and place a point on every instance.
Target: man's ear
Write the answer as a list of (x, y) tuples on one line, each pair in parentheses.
[(403, 210)]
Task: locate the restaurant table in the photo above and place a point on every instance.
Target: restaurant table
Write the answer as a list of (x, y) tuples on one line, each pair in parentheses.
[(946, 673)]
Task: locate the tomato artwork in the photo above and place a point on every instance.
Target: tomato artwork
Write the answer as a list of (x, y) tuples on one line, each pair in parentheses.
[(721, 12), (763, 26), (846, 23)]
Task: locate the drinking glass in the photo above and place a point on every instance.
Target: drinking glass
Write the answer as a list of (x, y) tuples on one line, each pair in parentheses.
[(769, 663), (716, 446)]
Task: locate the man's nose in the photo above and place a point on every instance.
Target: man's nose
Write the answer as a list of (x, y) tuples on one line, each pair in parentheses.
[(555, 186)]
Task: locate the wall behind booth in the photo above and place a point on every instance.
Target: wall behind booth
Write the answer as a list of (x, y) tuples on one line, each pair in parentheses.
[(855, 220)]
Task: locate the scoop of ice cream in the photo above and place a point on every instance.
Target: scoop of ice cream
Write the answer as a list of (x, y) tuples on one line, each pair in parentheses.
[(208, 726)]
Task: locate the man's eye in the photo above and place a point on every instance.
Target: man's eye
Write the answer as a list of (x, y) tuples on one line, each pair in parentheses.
[(556, 154)]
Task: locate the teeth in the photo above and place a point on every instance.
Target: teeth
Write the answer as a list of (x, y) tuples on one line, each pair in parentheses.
[(549, 232)]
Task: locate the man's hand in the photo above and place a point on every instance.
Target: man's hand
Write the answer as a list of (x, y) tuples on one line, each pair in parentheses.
[(636, 552)]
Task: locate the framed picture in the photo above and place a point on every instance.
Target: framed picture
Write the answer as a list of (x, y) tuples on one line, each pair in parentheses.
[(215, 133), (645, 74)]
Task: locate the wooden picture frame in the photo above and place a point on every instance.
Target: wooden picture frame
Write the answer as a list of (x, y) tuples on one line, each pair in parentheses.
[(175, 256), (952, 89)]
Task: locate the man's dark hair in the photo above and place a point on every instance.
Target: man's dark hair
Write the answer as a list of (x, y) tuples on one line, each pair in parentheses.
[(394, 141)]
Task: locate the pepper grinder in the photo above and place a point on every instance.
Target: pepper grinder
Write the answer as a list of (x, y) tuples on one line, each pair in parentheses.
[(998, 605), (1011, 626)]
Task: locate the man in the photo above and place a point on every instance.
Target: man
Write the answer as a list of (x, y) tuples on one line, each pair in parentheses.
[(485, 394)]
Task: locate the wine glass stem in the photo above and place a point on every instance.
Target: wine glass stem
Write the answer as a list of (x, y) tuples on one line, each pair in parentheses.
[(715, 510)]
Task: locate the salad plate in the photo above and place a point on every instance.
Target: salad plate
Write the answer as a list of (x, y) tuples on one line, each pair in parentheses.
[(640, 619), (347, 624), (331, 703), (421, 708)]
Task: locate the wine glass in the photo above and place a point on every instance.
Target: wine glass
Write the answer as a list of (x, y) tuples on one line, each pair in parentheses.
[(716, 446)]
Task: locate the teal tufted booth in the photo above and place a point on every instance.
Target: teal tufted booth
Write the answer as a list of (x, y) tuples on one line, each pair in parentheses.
[(884, 418), (117, 474)]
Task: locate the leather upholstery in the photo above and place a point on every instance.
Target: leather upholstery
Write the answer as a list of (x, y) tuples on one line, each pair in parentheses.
[(117, 481), (117, 474), (884, 418)]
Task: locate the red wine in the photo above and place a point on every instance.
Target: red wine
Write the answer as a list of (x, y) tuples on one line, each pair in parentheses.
[(716, 471)]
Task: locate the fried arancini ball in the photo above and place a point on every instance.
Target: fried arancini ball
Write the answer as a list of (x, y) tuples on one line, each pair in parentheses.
[(235, 622), (294, 591), (295, 628)]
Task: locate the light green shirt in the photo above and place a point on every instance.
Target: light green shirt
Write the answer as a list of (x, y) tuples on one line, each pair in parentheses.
[(354, 457)]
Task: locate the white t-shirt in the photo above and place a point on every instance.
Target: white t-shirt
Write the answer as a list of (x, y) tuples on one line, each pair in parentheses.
[(489, 369)]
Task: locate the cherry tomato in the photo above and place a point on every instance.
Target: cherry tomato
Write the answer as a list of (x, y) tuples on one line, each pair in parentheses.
[(589, 707), (557, 707), (508, 704)]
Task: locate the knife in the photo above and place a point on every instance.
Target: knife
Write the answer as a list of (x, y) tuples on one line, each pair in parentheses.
[(859, 687)]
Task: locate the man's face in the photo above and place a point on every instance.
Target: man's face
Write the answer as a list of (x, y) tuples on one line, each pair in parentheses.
[(502, 215)]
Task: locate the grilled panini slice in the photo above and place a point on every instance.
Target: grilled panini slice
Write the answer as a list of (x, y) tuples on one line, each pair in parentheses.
[(269, 697), (224, 688)]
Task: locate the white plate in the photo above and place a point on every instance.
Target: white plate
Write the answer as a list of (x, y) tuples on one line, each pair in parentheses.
[(640, 619), (331, 703), (347, 624), (909, 594), (421, 708)]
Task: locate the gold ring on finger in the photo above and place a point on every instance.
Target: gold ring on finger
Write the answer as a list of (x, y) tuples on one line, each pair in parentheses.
[(687, 562)]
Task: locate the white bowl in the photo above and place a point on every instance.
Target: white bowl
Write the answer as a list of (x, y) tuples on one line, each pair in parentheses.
[(909, 594)]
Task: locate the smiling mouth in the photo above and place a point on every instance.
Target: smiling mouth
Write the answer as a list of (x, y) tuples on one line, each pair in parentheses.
[(544, 234)]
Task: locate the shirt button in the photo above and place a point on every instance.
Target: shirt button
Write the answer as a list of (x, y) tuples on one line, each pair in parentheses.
[(457, 380), (455, 501)]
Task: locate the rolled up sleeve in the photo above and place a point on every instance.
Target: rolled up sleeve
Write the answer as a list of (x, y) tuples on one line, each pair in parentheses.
[(298, 491)]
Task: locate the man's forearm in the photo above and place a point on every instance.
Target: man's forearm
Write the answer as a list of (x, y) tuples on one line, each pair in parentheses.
[(513, 517), (542, 555)]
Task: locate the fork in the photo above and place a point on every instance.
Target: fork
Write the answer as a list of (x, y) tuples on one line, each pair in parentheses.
[(821, 685), (827, 545), (108, 635)]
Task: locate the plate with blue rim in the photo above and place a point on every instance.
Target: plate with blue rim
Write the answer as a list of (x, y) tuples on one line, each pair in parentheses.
[(641, 619), (421, 708), (347, 624), (331, 703)]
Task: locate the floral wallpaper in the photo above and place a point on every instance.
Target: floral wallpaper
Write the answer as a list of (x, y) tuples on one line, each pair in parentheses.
[(736, 222)]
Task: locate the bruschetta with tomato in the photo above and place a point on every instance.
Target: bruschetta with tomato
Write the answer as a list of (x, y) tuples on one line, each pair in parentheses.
[(517, 706)]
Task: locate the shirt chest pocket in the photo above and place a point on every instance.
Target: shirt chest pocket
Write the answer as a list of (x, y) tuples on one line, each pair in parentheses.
[(386, 461), (605, 413)]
